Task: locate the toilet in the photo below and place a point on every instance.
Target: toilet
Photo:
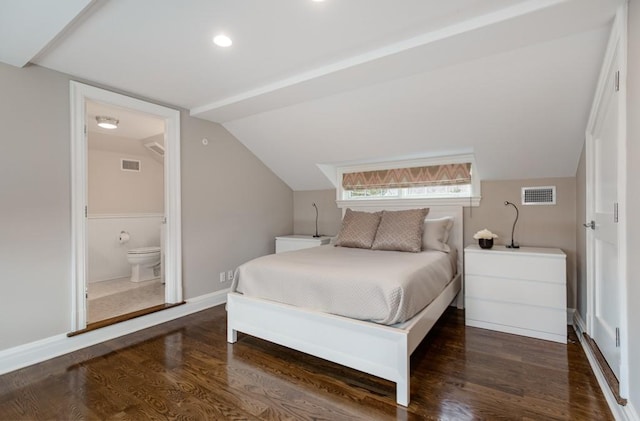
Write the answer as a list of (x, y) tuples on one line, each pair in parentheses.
[(145, 263)]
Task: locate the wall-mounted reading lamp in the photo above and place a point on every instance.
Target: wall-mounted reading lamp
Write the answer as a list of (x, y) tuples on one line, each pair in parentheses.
[(513, 244), (316, 235)]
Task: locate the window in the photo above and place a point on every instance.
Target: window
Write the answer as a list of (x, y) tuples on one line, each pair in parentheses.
[(427, 180)]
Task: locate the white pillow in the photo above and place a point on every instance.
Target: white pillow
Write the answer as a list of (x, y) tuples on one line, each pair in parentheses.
[(436, 234)]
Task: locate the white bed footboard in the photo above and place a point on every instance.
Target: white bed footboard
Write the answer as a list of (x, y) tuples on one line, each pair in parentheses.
[(375, 349)]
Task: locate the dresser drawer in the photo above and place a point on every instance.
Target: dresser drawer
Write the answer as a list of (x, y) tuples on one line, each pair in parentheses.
[(514, 266), (542, 294), (504, 315)]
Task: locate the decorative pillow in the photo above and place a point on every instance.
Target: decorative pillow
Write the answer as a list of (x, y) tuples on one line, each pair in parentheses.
[(358, 229), (401, 230), (436, 234)]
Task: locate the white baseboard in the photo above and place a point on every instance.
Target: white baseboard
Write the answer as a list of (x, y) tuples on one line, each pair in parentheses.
[(34, 352), (570, 312), (621, 413)]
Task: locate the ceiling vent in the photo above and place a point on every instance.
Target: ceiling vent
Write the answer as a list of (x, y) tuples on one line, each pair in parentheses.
[(130, 165), (539, 195), (155, 147)]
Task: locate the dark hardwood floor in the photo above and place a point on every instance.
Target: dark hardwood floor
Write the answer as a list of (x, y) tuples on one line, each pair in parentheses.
[(185, 370)]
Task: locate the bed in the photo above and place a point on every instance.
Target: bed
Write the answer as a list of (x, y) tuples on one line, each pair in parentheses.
[(378, 349)]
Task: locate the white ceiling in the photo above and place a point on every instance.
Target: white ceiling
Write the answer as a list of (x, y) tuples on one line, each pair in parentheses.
[(310, 83)]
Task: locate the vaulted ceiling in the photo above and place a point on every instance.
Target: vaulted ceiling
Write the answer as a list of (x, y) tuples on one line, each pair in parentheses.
[(309, 84)]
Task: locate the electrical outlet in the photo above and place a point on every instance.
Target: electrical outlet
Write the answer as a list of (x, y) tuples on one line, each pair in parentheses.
[(222, 278), (229, 275)]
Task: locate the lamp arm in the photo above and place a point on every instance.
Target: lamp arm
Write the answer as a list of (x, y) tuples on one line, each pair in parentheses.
[(513, 245), (316, 234)]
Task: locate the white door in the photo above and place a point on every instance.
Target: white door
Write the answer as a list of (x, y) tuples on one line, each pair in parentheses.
[(604, 211)]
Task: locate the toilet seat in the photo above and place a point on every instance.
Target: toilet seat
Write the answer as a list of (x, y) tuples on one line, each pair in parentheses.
[(145, 250)]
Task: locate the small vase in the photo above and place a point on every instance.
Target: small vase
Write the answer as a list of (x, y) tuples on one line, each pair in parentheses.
[(485, 243)]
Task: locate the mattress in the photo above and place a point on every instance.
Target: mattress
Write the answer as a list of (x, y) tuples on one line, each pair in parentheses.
[(386, 287)]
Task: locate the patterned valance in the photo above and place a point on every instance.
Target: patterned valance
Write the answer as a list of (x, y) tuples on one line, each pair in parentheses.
[(434, 175)]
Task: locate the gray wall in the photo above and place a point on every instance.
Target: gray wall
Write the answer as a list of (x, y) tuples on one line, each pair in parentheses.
[(543, 226), (304, 215), (633, 200), (35, 171), (232, 205), (113, 191), (538, 226)]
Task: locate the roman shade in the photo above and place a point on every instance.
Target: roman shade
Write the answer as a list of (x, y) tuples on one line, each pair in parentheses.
[(433, 175)]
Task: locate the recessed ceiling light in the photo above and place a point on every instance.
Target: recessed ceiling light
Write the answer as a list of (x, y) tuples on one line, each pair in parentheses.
[(222, 41), (107, 122)]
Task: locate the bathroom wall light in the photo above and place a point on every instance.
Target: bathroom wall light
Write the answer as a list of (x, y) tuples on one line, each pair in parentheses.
[(107, 122)]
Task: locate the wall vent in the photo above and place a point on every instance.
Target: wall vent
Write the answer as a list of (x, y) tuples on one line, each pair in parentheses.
[(545, 195), (155, 147), (130, 165)]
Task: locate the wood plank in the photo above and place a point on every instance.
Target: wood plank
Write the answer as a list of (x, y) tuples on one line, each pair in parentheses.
[(184, 369)]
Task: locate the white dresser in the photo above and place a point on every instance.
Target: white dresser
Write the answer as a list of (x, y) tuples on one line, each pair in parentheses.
[(521, 291), (297, 242)]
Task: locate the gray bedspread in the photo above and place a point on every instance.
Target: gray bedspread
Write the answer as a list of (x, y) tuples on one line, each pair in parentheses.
[(386, 287)]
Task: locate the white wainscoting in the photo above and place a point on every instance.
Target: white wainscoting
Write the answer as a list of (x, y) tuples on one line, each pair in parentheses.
[(107, 257)]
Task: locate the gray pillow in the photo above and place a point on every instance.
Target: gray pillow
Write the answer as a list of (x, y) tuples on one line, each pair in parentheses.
[(401, 230), (358, 229)]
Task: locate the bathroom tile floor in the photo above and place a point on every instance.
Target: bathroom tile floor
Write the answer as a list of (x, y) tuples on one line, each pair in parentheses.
[(116, 297)]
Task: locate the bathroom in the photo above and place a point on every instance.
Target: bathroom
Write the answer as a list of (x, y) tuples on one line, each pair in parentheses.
[(125, 212)]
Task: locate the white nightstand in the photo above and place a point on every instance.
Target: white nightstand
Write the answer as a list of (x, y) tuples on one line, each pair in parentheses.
[(521, 291), (297, 242)]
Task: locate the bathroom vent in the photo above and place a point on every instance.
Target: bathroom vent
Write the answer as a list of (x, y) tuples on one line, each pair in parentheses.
[(155, 147), (539, 195), (130, 165)]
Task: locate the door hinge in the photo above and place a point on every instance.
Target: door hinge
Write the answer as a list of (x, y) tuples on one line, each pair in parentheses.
[(615, 212), (85, 211), (616, 82), (617, 337)]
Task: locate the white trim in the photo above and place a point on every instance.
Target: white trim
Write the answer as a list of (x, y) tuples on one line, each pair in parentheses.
[(410, 163), (80, 93), (416, 203), (627, 412), (35, 352), (125, 216), (616, 47)]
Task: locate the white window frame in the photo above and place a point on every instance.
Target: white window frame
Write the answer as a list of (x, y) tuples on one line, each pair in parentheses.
[(473, 200)]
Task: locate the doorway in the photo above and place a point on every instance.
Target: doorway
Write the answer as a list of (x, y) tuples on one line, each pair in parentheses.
[(106, 212), (125, 217)]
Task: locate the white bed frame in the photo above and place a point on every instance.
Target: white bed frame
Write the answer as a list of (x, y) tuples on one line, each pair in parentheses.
[(380, 350)]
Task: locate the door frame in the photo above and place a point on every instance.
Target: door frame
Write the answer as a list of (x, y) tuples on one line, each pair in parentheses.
[(79, 94), (615, 55)]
